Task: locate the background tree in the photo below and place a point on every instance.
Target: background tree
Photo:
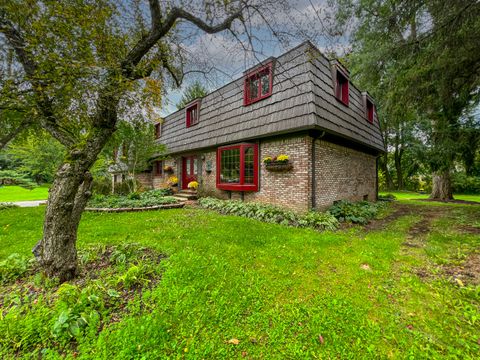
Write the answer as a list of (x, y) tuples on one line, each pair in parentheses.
[(192, 92), (79, 62), (37, 155), (136, 145), (421, 59)]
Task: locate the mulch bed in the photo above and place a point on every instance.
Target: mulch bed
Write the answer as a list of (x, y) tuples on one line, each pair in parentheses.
[(158, 207)]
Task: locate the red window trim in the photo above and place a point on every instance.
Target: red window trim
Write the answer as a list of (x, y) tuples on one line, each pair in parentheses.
[(188, 114), (158, 130), (158, 168), (370, 111), (255, 73), (342, 95), (240, 186)]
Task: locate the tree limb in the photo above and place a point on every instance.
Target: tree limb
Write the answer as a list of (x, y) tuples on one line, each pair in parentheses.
[(9, 136), (44, 104), (160, 28)]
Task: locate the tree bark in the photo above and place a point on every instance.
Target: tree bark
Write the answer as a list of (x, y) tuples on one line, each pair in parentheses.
[(442, 186), (56, 252), (386, 172)]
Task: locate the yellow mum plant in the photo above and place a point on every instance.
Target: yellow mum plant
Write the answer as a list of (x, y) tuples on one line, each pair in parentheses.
[(267, 159), (193, 185), (172, 180), (282, 158)]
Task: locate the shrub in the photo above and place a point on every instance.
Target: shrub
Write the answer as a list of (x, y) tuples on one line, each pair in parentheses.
[(11, 177), (148, 198), (13, 267), (4, 206), (387, 197), (271, 214), (463, 184), (355, 212)]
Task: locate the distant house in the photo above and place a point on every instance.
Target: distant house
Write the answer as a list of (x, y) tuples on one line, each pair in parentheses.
[(299, 104)]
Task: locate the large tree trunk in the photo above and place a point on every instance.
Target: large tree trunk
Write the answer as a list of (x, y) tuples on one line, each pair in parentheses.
[(384, 168), (56, 252), (442, 186), (399, 169)]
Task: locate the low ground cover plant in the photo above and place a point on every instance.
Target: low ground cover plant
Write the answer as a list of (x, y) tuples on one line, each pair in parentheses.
[(4, 206), (133, 200), (271, 214), (356, 212), (386, 197), (38, 313)]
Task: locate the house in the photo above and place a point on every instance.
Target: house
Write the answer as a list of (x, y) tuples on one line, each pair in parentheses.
[(299, 104)]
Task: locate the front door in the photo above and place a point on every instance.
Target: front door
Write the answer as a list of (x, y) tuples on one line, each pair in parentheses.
[(189, 170)]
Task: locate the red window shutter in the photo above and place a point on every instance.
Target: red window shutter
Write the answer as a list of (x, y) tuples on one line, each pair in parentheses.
[(370, 111), (342, 88), (158, 168), (192, 114)]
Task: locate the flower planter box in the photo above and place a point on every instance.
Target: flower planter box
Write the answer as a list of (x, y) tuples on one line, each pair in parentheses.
[(278, 166)]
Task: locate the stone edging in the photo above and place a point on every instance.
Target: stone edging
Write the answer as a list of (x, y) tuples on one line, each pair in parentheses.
[(157, 207)]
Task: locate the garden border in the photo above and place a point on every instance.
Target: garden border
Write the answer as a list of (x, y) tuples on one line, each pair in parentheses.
[(147, 208)]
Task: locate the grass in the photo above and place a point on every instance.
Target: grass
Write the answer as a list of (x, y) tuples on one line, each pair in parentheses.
[(273, 288), (18, 193), (410, 195)]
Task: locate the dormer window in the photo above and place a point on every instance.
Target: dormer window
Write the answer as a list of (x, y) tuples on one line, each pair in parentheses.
[(341, 88), (192, 114), (370, 111), (158, 130), (258, 85)]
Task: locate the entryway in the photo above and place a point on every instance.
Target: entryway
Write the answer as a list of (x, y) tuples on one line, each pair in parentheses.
[(189, 170)]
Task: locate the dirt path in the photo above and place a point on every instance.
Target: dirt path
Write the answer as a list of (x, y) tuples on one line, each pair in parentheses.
[(399, 211), (467, 272)]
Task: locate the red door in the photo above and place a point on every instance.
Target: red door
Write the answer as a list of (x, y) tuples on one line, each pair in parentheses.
[(189, 170)]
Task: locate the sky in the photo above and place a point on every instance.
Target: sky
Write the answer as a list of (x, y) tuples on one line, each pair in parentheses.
[(223, 57)]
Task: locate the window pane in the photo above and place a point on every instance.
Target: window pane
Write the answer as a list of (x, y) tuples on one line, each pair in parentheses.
[(253, 92), (249, 166), (187, 166), (265, 79), (230, 166), (195, 166)]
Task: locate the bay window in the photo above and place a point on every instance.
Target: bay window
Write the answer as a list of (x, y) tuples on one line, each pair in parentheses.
[(237, 167)]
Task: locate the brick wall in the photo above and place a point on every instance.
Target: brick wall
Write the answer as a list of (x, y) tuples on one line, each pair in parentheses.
[(160, 181), (343, 174), (289, 189)]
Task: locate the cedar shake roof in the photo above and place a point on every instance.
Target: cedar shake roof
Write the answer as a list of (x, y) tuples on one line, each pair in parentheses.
[(302, 98)]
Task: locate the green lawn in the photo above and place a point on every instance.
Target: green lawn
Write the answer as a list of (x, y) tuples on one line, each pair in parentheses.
[(17, 193), (409, 195), (276, 289)]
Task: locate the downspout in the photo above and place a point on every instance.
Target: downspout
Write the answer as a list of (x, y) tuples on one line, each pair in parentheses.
[(376, 177), (314, 178)]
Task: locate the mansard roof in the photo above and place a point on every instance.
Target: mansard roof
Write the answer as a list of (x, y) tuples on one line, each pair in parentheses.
[(303, 98)]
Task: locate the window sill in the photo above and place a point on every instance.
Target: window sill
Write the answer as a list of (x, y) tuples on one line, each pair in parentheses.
[(237, 187), (342, 102), (250, 102)]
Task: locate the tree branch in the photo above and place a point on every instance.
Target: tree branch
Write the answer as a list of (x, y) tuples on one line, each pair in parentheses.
[(160, 28), (9, 136), (44, 104)]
